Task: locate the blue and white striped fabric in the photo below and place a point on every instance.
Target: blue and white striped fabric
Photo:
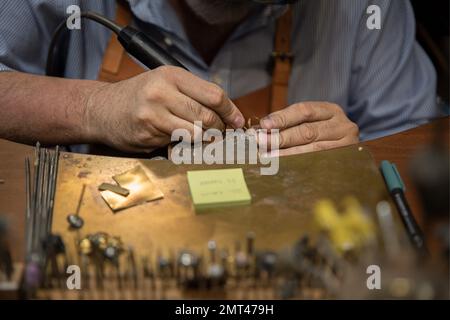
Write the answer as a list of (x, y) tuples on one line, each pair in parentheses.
[(381, 78)]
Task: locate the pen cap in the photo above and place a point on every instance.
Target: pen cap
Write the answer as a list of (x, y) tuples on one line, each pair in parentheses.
[(391, 176)]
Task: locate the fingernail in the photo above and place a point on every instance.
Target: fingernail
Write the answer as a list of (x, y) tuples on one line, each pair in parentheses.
[(238, 122), (267, 123)]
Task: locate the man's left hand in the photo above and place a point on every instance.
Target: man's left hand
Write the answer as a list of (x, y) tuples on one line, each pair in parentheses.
[(311, 126)]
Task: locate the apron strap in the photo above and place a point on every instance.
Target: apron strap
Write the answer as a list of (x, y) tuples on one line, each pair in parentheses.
[(111, 69), (283, 57)]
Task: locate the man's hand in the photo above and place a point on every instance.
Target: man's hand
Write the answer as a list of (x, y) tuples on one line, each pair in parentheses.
[(311, 126), (140, 114)]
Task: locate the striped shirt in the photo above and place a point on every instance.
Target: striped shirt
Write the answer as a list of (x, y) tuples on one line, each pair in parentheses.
[(381, 78)]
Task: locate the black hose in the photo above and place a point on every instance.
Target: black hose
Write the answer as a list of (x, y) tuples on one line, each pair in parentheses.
[(135, 42)]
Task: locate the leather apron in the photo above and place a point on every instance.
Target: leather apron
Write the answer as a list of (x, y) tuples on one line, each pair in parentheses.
[(117, 65)]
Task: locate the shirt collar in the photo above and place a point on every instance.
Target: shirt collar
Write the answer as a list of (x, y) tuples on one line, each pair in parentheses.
[(261, 18), (161, 14)]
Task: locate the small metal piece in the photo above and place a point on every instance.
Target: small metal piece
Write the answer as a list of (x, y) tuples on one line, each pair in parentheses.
[(29, 196), (115, 242), (240, 258), (165, 267), (99, 240), (252, 122), (142, 190), (216, 271), (187, 259), (158, 158), (250, 243), (212, 246), (224, 255), (282, 55), (85, 246), (75, 222), (114, 188), (54, 178), (188, 268), (268, 261), (111, 252), (163, 263), (101, 245)]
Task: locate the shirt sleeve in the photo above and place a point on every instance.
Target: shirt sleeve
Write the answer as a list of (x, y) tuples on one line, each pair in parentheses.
[(393, 86), (24, 37), (27, 27)]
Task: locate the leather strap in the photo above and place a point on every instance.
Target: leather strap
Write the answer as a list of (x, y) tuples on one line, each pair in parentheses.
[(283, 62), (255, 104), (118, 65)]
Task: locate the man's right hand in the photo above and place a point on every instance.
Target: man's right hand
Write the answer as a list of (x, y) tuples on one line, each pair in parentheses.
[(140, 114)]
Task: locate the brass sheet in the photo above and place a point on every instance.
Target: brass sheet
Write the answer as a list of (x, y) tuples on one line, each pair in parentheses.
[(141, 189), (280, 212)]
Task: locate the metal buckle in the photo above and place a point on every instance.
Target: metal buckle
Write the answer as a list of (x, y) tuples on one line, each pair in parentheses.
[(282, 55)]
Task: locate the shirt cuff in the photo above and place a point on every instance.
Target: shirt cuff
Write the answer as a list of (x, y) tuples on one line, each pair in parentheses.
[(5, 68)]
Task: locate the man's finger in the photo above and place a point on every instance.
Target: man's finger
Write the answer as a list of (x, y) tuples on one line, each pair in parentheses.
[(171, 123), (315, 146), (210, 95), (310, 132), (186, 108), (298, 113)]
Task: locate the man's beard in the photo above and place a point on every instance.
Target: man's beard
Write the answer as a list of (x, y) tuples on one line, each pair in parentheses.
[(220, 12)]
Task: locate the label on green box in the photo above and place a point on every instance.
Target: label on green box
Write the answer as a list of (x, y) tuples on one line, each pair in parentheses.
[(215, 188)]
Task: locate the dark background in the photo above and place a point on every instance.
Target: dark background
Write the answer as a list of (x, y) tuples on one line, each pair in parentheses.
[(433, 35)]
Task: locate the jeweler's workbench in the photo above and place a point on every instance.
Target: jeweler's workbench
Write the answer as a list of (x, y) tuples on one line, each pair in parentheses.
[(279, 213), (398, 148), (281, 210)]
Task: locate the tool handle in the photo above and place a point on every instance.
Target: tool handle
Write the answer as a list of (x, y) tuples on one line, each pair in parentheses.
[(414, 232), (145, 50)]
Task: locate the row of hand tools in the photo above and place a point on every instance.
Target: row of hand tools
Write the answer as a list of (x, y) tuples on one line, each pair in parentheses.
[(40, 182)]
